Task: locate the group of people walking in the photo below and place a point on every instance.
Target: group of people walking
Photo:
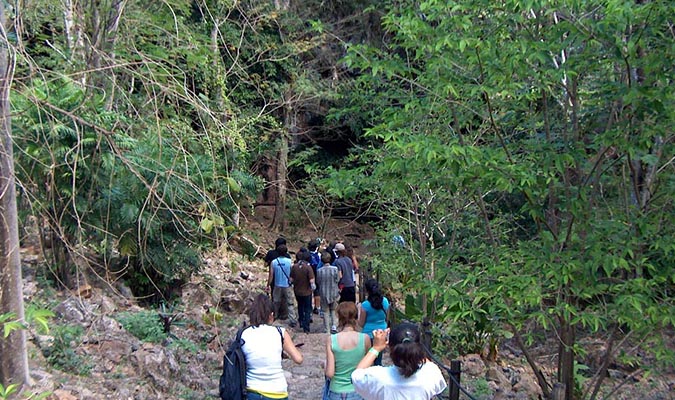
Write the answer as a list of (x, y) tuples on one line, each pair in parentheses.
[(315, 283), (357, 333)]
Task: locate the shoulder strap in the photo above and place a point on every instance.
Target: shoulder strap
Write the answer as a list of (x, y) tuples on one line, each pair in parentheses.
[(333, 342), (281, 267), (239, 332), (282, 338)]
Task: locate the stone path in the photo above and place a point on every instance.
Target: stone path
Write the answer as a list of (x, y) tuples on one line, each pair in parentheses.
[(305, 381)]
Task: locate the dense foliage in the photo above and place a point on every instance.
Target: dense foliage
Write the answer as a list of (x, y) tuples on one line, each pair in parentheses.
[(521, 149), (524, 151), (136, 153)]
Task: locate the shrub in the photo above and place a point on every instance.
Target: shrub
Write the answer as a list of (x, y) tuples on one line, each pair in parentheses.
[(145, 325), (62, 353)]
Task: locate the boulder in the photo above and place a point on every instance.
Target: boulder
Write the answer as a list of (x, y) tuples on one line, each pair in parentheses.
[(196, 295), (527, 384), (156, 363), (72, 310), (495, 374), (106, 304), (472, 364), (234, 299)]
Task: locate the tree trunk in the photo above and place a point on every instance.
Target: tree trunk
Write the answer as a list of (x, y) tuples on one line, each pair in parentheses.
[(278, 222), (282, 5), (104, 23), (112, 27), (566, 357), (558, 392), (420, 230), (72, 22), (13, 355)]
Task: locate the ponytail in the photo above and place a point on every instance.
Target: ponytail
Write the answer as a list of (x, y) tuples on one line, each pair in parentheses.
[(375, 297)]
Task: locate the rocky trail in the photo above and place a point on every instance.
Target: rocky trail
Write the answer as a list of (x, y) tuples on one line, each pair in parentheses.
[(305, 381)]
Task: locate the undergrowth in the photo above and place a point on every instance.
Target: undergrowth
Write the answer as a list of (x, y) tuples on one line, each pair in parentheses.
[(145, 325), (62, 354)]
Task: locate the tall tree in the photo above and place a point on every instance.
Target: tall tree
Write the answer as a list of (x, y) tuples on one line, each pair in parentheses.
[(548, 122), (13, 355)]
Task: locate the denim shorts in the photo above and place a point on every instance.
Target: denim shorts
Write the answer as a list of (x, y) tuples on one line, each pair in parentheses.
[(344, 396)]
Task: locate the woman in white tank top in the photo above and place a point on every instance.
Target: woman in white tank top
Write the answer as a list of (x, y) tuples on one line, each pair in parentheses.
[(263, 345)]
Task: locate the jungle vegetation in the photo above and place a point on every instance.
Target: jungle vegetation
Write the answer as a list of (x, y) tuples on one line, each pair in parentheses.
[(522, 149)]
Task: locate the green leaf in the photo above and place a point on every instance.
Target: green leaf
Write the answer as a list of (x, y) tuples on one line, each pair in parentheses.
[(39, 316), (233, 185), (10, 326), (207, 225)]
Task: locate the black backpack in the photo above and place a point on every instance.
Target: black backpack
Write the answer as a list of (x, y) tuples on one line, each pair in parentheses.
[(233, 379)]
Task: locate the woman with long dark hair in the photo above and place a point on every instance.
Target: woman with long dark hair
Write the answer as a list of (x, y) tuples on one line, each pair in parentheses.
[(412, 377), (263, 345), (373, 312)]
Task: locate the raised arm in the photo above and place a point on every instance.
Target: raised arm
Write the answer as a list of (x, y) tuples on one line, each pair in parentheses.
[(312, 278), (379, 344)]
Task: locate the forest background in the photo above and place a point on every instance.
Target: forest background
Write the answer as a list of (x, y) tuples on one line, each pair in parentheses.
[(523, 151)]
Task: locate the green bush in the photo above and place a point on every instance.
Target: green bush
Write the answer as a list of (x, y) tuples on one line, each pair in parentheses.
[(186, 345), (62, 353), (481, 389), (145, 325)]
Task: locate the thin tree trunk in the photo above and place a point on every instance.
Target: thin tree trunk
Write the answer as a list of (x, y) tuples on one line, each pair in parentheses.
[(72, 21), (541, 378), (112, 28), (217, 66), (566, 357), (279, 220), (72, 38), (220, 100), (104, 22), (422, 234), (13, 354)]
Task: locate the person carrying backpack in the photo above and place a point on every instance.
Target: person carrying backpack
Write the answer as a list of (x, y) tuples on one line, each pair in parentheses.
[(316, 263), (252, 363), (263, 345)]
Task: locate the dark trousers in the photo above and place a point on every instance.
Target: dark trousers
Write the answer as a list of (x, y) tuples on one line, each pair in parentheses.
[(304, 311), (348, 294)]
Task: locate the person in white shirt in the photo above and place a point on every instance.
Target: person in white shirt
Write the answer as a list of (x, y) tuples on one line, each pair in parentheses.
[(263, 345), (412, 377)]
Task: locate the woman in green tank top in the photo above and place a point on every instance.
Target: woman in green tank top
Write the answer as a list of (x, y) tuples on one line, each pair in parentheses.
[(344, 350)]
